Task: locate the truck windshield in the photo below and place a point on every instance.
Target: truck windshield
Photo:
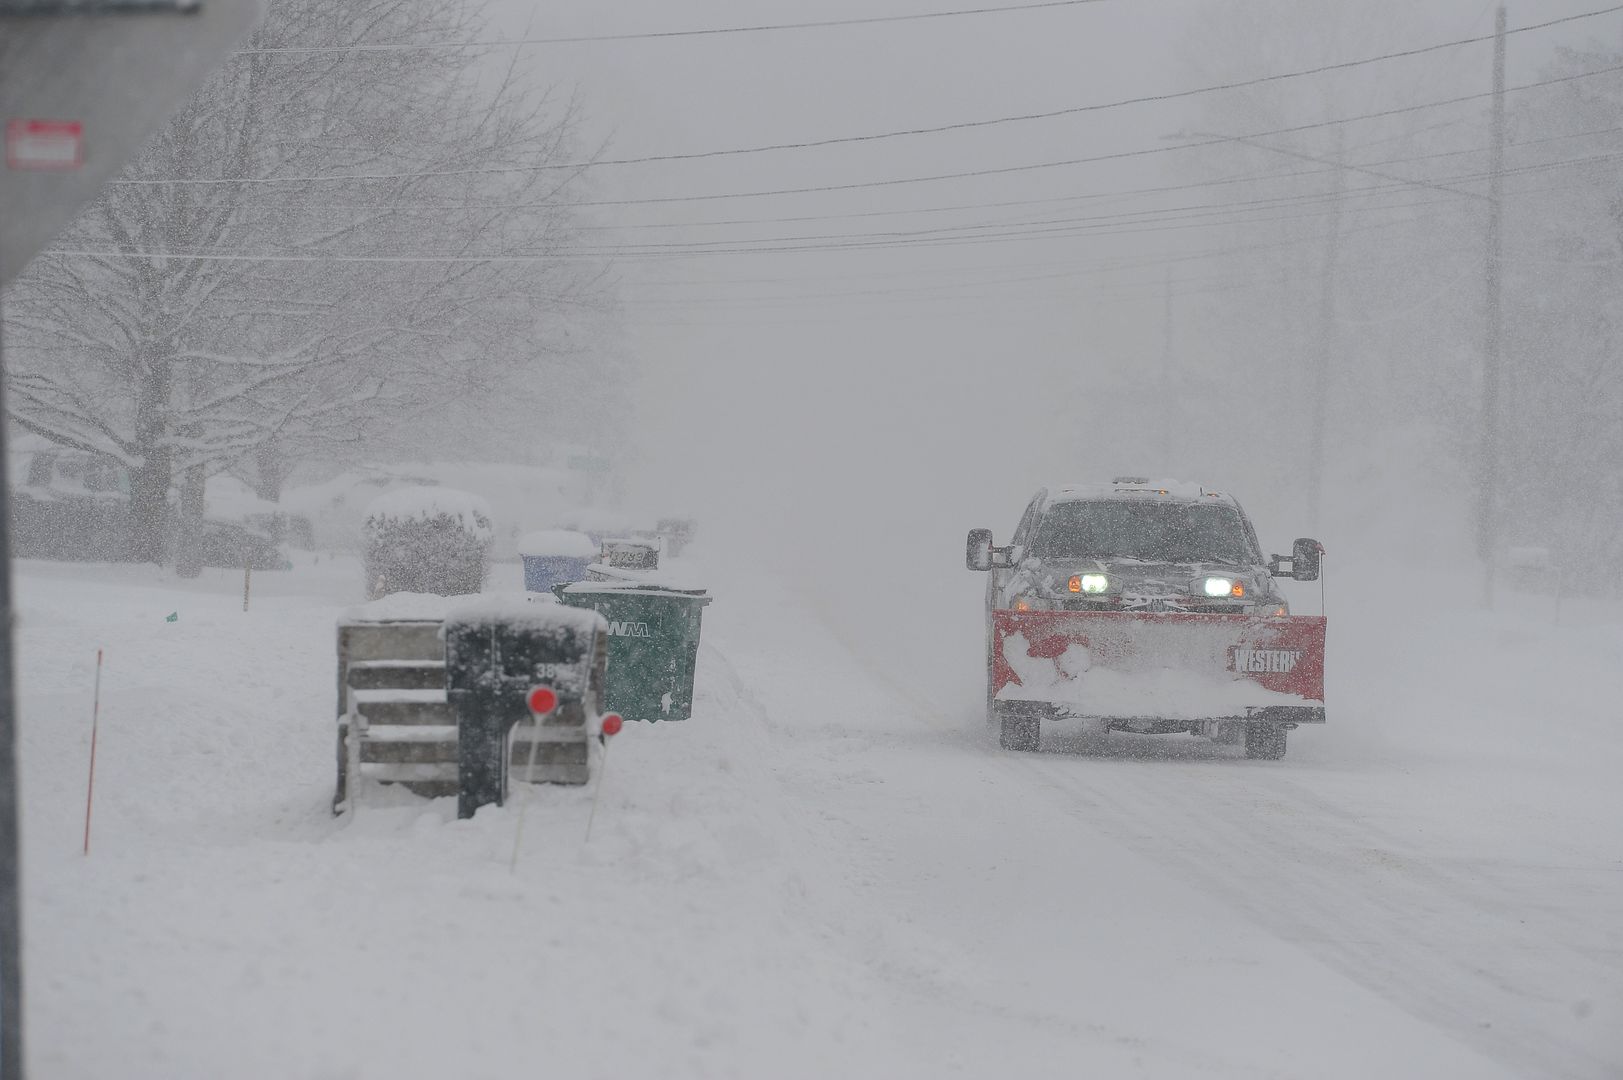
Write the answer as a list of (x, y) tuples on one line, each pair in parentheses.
[(1141, 529)]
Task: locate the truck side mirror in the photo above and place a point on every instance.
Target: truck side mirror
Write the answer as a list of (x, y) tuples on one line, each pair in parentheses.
[(978, 551), (1305, 555), (1304, 561)]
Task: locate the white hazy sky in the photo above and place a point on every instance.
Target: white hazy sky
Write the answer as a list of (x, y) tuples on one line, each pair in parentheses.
[(897, 390)]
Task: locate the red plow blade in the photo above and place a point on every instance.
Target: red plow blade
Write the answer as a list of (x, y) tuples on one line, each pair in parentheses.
[(1171, 665)]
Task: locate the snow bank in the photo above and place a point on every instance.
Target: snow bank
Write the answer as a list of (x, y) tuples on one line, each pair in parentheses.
[(565, 543), (428, 503), (795, 886), (228, 497), (403, 607)]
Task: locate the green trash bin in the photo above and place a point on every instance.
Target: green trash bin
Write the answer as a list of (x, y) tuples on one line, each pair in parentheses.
[(653, 644)]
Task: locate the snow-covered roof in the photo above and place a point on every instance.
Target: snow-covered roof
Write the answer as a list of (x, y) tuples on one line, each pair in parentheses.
[(425, 503), (530, 611), (642, 588), (1136, 486)]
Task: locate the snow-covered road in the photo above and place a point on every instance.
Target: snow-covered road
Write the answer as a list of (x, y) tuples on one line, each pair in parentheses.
[(830, 870)]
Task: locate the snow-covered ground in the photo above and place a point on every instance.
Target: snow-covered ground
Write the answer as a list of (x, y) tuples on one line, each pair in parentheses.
[(830, 870)]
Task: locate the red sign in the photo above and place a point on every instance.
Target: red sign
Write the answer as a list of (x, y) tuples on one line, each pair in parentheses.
[(45, 145)]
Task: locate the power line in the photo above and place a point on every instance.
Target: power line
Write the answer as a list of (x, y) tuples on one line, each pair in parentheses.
[(965, 125), (1000, 171), (932, 290), (763, 28), (1125, 193), (1253, 177), (1063, 268), (462, 204), (928, 237), (941, 291), (1156, 213), (936, 129), (892, 297), (1096, 158), (1005, 170), (1393, 183), (1054, 233), (1162, 214), (855, 242), (1066, 267), (852, 241)]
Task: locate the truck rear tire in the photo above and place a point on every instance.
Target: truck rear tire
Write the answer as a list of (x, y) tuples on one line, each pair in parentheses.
[(1264, 742), (1019, 730)]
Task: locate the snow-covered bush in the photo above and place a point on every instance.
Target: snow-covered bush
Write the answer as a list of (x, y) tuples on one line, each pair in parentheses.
[(426, 540)]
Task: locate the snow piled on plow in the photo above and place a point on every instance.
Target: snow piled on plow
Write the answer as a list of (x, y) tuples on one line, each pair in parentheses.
[(1073, 680)]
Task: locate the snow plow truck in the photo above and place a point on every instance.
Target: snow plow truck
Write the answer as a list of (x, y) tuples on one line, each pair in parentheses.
[(1147, 606)]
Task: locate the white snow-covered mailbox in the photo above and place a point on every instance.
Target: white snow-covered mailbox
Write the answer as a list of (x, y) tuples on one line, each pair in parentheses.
[(497, 650)]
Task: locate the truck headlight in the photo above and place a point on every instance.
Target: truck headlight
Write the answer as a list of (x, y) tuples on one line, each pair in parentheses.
[(1092, 584), (1223, 586)]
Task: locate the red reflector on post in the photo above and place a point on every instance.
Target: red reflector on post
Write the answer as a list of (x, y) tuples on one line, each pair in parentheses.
[(612, 723), (542, 700)]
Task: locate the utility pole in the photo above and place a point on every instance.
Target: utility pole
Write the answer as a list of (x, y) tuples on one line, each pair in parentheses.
[(1325, 354), (1170, 413), (1326, 347), (1490, 479)]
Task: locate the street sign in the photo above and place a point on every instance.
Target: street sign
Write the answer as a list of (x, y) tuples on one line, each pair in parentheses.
[(115, 69), (51, 145)]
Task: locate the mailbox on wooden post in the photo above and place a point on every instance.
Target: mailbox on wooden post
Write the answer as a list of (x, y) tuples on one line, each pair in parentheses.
[(497, 651)]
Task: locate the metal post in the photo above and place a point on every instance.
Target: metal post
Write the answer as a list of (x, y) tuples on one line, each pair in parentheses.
[(1170, 415), (1324, 355), (11, 960), (1490, 479)]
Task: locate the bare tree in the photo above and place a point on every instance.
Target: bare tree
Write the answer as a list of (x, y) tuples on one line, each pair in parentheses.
[(1352, 240), (1564, 317), (320, 247)]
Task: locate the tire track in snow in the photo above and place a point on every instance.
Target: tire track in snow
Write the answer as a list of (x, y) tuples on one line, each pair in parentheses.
[(1470, 948), (1443, 944)]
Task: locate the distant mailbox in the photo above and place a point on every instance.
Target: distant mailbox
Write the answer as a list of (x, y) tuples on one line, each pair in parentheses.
[(631, 553)]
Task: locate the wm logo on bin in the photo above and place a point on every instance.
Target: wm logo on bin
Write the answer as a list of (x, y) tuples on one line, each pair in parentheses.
[(629, 629)]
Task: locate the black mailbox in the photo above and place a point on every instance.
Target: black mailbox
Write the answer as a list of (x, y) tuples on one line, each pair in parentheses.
[(496, 651)]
